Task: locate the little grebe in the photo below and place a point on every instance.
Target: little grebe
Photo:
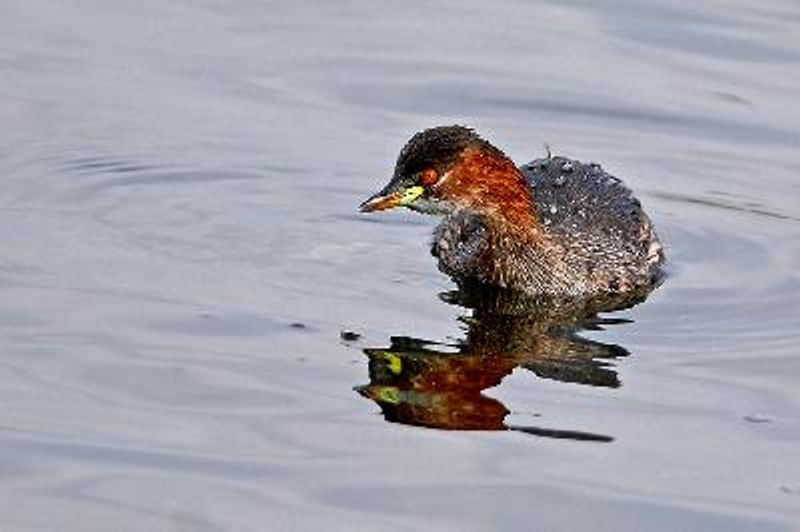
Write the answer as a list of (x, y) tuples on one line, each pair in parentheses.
[(554, 226)]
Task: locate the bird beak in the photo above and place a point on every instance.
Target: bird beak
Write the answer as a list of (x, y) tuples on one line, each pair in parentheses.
[(399, 198)]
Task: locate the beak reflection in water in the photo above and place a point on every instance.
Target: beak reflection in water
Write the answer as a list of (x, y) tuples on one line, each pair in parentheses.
[(423, 383)]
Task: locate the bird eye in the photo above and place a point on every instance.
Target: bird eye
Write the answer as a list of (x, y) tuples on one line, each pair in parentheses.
[(429, 177)]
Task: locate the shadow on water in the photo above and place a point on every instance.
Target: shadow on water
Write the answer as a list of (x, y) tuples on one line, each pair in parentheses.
[(429, 384)]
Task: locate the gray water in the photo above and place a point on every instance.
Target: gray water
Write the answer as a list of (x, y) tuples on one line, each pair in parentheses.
[(180, 253)]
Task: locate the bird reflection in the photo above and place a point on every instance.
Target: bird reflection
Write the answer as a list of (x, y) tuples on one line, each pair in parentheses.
[(430, 384)]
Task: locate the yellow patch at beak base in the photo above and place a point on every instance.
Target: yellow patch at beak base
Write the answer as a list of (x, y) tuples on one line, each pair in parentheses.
[(410, 195)]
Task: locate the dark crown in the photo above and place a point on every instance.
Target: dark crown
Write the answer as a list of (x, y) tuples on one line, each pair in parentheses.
[(437, 148)]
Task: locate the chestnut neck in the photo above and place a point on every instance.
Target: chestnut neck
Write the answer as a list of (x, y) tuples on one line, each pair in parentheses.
[(486, 180)]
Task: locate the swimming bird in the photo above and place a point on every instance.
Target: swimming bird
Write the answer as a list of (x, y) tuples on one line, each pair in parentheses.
[(554, 226)]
